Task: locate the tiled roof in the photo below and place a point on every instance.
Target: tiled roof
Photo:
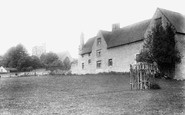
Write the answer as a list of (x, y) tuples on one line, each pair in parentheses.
[(176, 19), (125, 35)]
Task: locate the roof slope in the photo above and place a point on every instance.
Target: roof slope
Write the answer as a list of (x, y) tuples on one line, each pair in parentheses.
[(176, 19), (87, 48), (135, 32), (125, 35)]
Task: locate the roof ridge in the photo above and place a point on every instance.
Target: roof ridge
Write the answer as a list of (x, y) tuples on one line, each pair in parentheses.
[(136, 23), (162, 9), (175, 18)]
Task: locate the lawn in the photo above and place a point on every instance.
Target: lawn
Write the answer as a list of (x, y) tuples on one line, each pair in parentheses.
[(89, 94)]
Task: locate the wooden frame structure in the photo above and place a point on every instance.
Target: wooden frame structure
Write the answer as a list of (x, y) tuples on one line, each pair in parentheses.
[(142, 75)]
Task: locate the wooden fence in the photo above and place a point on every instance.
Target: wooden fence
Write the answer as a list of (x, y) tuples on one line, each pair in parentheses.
[(142, 75)]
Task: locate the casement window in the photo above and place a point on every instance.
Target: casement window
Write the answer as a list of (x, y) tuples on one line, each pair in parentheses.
[(98, 53), (98, 41), (98, 64), (82, 65), (89, 61), (110, 63)]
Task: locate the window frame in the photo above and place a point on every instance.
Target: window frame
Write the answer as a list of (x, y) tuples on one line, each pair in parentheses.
[(110, 62), (98, 41), (83, 66), (98, 53), (89, 61), (98, 64)]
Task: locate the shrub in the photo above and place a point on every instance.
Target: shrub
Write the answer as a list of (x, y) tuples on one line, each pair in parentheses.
[(154, 86)]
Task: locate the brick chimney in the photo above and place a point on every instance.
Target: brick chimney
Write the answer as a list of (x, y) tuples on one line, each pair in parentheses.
[(115, 26)]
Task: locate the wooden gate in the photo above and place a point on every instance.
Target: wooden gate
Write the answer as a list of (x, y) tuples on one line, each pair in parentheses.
[(142, 75)]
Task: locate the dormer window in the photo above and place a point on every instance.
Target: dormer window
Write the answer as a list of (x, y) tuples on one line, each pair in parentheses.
[(98, 41)]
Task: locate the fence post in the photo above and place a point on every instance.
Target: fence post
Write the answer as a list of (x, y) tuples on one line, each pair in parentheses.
[(131, 77)]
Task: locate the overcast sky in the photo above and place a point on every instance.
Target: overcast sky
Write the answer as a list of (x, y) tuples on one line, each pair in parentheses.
[(59, 23)]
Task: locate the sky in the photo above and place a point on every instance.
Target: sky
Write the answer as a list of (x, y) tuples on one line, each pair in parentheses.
[(59, 23)]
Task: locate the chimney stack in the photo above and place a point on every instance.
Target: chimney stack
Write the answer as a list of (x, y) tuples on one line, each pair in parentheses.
[(81, 42), (115, 26)]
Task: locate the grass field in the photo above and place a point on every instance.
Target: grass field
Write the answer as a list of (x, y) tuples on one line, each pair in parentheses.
[(88, 95)]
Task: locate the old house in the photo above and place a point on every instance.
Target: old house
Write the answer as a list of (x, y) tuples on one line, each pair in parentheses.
[(115, 50)]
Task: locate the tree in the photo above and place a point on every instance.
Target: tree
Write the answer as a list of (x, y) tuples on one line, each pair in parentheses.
[(159, 47), (35, 62), (48, 59), (67, 63), (15, 56)]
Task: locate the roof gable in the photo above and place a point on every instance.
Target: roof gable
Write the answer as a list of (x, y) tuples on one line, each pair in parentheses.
[(176, 19), (87, 48)]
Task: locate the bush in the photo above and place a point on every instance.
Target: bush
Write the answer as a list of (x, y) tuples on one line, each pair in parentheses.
[(155, 86)]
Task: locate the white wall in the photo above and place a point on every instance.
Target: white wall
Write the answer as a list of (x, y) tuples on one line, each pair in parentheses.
[(122, 57), (180, 68)]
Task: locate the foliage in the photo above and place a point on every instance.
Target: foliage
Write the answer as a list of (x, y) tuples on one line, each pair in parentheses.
[(51, 61), (48, 58), (154, 86), (35, 62), (67, 63), (159, 47), (17, 57), (14, 57)]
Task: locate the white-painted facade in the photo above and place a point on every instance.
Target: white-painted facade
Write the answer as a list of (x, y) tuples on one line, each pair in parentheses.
[(124, 55)]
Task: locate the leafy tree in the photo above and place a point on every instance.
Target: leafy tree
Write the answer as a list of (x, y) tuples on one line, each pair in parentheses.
[(67, 63), (14, 56), (159, 47), (48, 59), (35, 62), (25, 64)]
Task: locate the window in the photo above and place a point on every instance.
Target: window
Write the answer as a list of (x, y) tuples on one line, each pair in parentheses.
[(98, 64), (89, 61), (110, 63), (159, 18), (98, 53), (82, 65), (98, 41)]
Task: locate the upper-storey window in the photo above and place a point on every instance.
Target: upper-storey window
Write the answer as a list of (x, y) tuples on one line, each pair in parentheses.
[(98, 53), (159, 18), (98, 41)]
